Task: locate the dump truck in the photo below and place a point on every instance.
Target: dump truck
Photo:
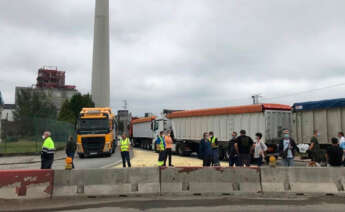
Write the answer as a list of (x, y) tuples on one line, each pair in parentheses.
[(188, 126), (326, 116), (96, 132), (146, 129)]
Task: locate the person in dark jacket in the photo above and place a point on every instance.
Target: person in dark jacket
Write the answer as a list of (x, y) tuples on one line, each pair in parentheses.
[(287, 149), (233, 156), (71, 147), (205, 150), (334, 155), (244, 147)]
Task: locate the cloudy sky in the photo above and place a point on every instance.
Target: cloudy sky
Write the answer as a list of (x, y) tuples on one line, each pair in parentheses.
[(182, 54)]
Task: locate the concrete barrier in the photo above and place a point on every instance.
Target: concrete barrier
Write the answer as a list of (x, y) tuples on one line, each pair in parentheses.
[(198, 180), (303, 180), (26, 184), (106, 182), (31, 184)]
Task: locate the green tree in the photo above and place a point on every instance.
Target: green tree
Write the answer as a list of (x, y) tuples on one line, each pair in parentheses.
[(71, 108), (32, 104)]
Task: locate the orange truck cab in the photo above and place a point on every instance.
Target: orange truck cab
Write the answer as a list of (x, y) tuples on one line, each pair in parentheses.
[(96, 132)]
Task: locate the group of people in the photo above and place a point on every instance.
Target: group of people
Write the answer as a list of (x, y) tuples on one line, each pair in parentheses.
[(242, 149), (163, 145), (48, 150), (334, 154)]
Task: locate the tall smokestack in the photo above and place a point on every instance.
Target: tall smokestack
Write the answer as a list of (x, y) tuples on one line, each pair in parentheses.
[(100, 63)]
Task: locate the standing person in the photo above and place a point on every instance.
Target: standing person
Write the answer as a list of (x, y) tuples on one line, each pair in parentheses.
[(287, 148), (259, 149), (160, 146), (215, 149), (205, 150), (169, 143), (342, 142), (233, 156), (71, 147), (334, 155), (48, 149), (314, 147), (125, 146), (244, 147)]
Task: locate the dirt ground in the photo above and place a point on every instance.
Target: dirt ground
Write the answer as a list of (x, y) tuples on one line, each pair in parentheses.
[(144, 158)]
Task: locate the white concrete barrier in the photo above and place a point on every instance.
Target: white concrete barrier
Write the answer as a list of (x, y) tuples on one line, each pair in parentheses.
[(106, 182), (198, 180), (303, 180)]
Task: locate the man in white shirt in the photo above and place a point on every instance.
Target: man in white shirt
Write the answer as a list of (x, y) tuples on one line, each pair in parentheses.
[(259, 149)]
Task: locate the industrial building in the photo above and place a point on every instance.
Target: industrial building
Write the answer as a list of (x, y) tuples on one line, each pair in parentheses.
[(51, 82)]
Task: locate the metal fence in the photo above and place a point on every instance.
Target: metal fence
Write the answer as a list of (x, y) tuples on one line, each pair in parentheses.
[(25, 136)]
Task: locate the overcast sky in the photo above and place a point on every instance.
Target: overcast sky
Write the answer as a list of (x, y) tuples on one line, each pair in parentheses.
[(182, 54)]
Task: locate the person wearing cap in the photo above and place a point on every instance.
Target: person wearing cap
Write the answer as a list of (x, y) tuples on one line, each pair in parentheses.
[(287, 149), (168, 151)]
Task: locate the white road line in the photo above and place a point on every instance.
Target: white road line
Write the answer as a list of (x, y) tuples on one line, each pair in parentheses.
[(112, 164)]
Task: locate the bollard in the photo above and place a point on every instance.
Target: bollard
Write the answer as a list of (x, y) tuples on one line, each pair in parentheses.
[(68, 161)]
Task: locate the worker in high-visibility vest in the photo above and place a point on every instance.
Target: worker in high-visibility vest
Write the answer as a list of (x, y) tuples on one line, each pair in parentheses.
[(168, 150), (125, 146), (215, 149), (48, 149), (160, 147)]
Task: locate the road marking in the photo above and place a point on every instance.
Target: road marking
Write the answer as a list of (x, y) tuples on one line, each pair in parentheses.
[(110, 165)]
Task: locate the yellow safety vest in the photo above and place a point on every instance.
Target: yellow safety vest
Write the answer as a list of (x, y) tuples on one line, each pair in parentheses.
[(124, 145), (213, 142), (48, 146), (161, 144)]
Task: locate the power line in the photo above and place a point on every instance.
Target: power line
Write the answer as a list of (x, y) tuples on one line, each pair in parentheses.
[(306, 91)]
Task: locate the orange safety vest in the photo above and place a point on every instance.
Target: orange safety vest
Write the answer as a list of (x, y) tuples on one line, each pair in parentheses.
[(168, 142)]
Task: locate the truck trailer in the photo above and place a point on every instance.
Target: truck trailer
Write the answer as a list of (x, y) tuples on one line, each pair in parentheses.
[(188, 126), (326, 116), (96, 132)]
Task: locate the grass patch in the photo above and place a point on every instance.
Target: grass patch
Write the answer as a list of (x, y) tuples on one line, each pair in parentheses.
[(25, 147)]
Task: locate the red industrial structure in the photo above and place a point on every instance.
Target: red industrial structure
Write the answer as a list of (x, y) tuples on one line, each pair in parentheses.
[(51, 77)]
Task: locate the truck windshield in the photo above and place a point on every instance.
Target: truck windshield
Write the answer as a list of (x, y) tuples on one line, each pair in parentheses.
[(93, 124)]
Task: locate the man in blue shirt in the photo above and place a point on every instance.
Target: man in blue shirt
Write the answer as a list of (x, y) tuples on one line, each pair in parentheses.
[(205, 150)]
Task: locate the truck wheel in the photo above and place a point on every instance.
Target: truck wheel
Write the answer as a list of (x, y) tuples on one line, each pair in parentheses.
[(179, 150), (81, 155)]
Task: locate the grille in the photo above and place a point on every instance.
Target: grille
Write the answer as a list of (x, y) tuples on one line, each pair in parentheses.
[(93, 144)]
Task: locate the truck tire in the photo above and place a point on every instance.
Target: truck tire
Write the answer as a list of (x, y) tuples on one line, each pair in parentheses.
[(179, 150), (81, 156)]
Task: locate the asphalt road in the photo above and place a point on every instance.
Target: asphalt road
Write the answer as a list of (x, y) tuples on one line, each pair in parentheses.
[(85, 163), (245, 203)]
